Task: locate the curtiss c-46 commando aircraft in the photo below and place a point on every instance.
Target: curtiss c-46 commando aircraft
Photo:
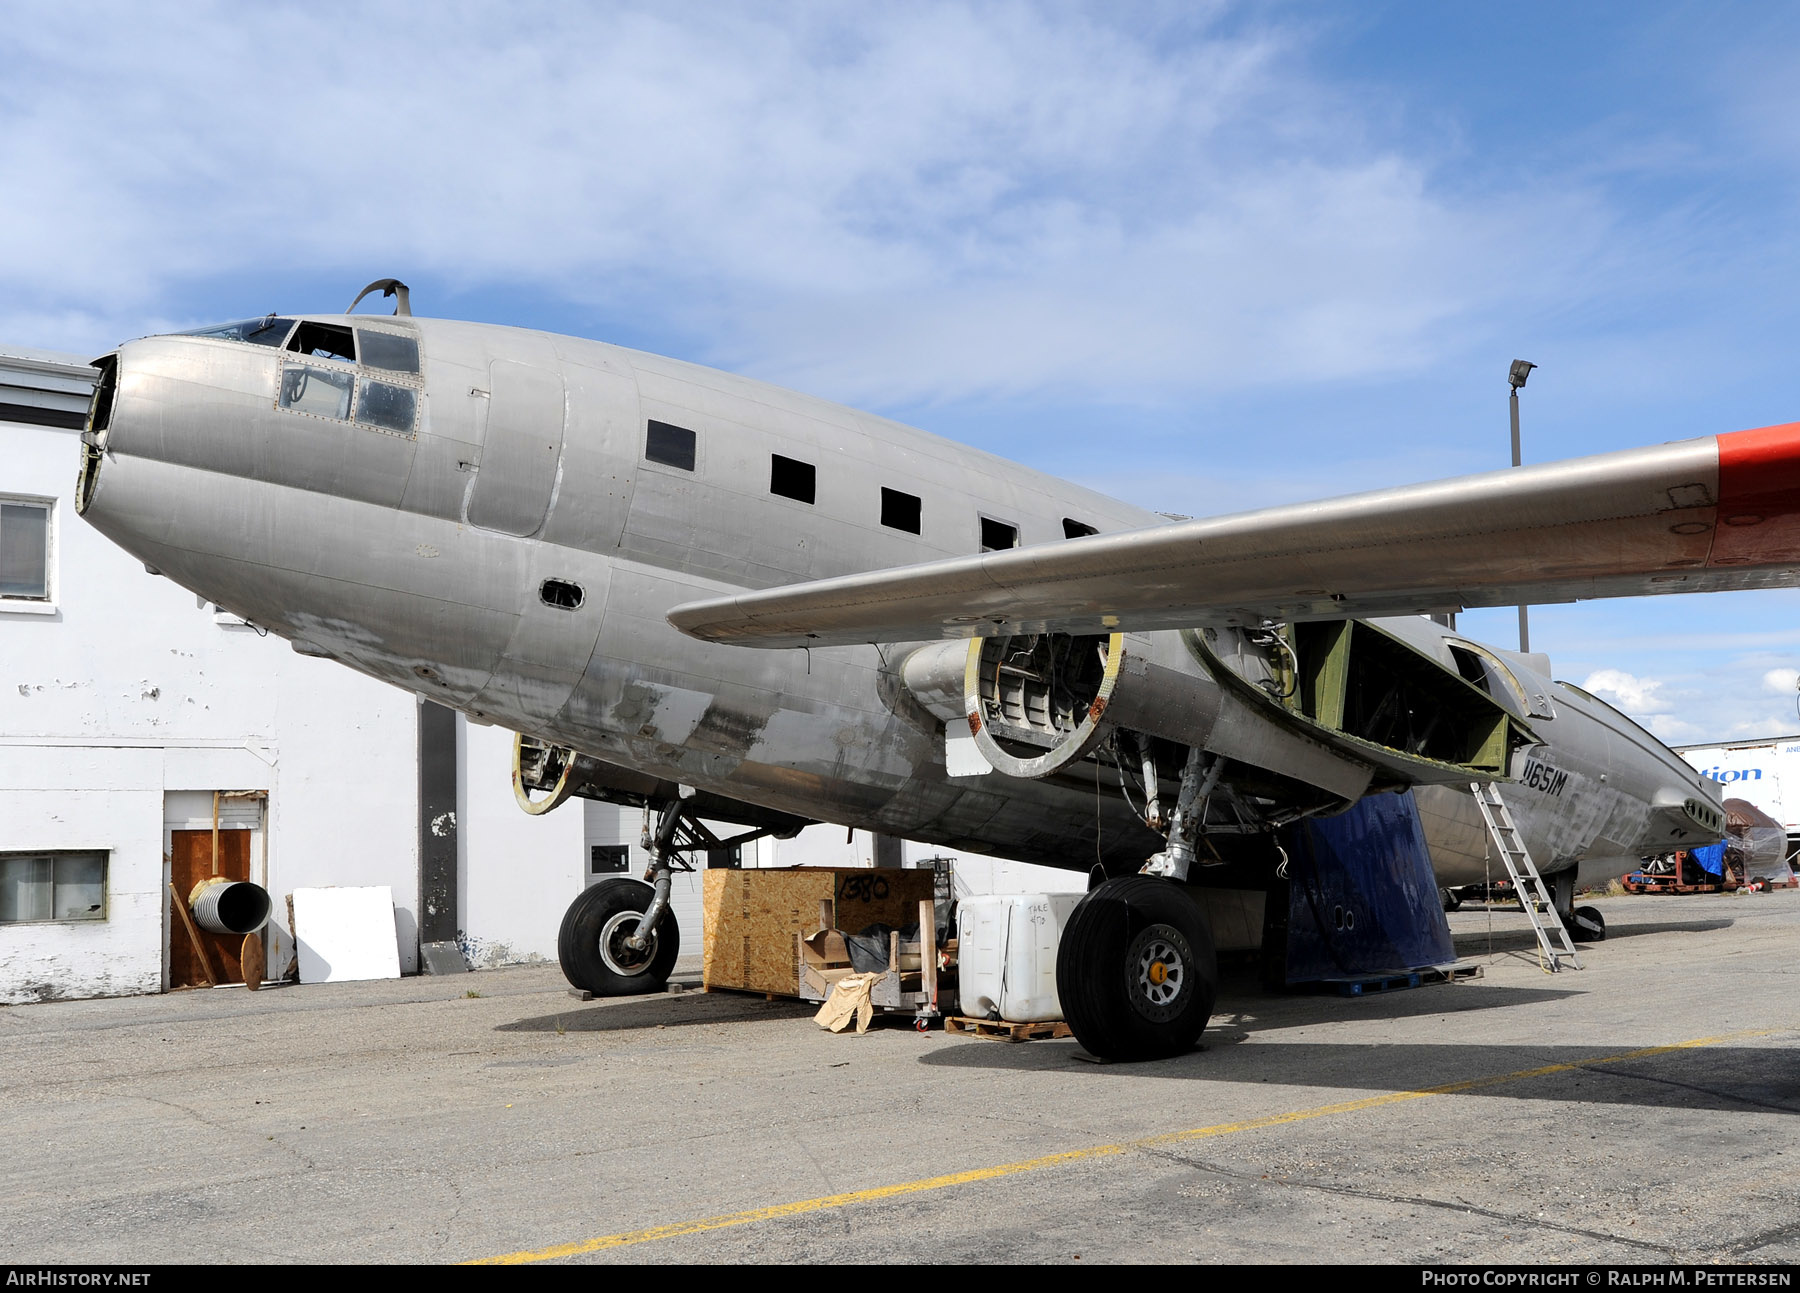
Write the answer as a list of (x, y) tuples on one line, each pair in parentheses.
[(589, 545)]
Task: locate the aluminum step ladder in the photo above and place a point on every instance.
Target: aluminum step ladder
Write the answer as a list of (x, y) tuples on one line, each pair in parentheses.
[(1553, 939)]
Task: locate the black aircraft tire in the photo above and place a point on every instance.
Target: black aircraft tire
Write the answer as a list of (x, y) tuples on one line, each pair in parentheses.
[(604, 912), (1588, 926), (1136, 972)]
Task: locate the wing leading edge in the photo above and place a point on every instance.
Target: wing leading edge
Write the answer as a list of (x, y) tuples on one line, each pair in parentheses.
[(1706, 515)]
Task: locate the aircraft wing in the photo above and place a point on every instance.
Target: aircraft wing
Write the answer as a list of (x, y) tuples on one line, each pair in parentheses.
[(1703, 515)]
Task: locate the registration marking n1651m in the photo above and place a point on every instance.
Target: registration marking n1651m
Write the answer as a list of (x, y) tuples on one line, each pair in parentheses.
[(1541, 776)]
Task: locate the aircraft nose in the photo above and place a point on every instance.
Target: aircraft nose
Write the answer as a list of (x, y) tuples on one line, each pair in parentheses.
[(94, 434), (165, 433)]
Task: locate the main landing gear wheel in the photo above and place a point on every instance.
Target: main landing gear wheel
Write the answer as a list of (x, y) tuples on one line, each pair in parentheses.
[(1587, 925), (593, 948), (1136, 972)]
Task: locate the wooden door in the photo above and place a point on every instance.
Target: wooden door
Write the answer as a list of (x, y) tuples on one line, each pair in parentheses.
[(190, 862)]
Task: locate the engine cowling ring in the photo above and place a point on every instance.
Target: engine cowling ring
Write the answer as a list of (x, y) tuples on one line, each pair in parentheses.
[(560, 789), (1070, 741)]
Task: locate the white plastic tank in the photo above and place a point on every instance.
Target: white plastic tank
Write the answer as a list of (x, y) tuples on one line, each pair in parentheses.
[(1006, 954)]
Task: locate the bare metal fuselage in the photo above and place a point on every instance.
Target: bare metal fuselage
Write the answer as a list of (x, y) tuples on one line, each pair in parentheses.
[(419, 555)]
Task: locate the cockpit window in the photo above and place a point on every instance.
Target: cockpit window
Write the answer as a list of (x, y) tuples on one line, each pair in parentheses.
[(321, 391), (388, 407), (266, 331), (388, 350), (325, 341)]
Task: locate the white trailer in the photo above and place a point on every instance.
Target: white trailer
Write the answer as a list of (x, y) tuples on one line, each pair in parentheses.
[(1765, 772)]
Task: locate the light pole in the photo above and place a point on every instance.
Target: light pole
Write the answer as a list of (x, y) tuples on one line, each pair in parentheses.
[(1515, 377)]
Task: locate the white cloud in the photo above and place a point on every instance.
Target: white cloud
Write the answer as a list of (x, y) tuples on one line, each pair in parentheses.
[(1636, 696), (1783, 682), (916, 202)]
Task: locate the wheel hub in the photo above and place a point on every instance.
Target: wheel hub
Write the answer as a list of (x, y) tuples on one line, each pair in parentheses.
[(1159, 971), (620, 956)]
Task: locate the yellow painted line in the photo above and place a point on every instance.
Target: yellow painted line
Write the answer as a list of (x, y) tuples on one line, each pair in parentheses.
[(880, 1193)]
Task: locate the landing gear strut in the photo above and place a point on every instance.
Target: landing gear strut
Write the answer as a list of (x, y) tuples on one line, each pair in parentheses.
[(1136, 972), (1585, 924), (595, 946), (619, 937)]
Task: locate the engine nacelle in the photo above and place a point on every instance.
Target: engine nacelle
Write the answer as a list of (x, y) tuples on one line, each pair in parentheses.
[(1037, 702)]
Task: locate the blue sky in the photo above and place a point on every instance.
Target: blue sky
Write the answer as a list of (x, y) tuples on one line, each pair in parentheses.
[(1207, 256)]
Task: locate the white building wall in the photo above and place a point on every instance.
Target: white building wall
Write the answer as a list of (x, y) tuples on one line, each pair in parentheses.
[(126, 688), (345, 805), (86, 798), (516, 873)]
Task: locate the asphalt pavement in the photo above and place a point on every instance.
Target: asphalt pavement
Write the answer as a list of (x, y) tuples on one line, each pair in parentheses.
[(1636, 1110)]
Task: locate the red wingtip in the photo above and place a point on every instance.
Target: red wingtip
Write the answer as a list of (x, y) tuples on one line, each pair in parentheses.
[(1759, 497)]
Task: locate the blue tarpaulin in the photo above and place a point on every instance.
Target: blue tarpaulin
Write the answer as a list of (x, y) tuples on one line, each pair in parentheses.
[(1711, 858), (1362, 897)]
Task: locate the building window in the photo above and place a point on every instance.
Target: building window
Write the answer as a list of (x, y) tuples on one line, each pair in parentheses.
[(52, 886), (996, 535), (1073, 529), (606, 859), (24, 550), (672, 446), (791, 478), (899, 511)]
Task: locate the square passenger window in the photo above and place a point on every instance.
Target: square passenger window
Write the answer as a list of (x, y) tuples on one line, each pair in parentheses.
[(899, 511), (1073, 529), (323, 391), (325, 340), (388, 350), (792, 478), (996, 535), (672, 446)]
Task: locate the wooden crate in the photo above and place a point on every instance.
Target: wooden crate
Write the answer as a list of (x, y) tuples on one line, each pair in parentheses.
[(751, 918)]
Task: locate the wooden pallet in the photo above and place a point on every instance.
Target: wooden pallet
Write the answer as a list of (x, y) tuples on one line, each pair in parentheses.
[(1001, 1030), (1365, 987), (1451, 973)]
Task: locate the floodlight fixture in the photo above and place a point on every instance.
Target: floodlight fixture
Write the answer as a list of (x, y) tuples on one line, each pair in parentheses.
[(1516, 375)]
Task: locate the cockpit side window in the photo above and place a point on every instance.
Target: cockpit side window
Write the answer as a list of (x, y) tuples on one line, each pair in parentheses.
[(388, 350), (270, 330), (324, 341), (324, 392), (389, 407)]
